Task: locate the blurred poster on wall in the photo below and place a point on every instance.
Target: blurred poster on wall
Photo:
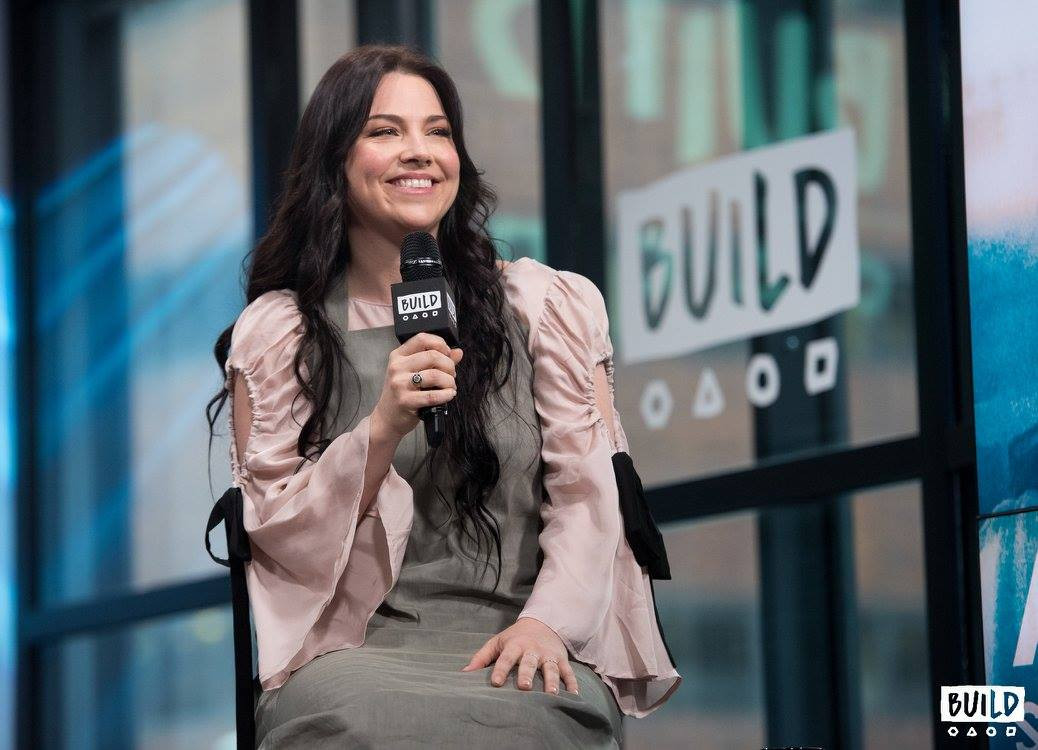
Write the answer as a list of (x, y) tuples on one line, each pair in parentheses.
[(999, 78)]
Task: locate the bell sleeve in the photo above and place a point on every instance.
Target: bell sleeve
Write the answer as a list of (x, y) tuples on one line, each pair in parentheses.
[(590, 588), (318, 566)]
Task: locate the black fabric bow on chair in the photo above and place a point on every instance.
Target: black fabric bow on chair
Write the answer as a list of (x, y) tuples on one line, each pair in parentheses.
[(639, 527), (641, 531), (229, 510)]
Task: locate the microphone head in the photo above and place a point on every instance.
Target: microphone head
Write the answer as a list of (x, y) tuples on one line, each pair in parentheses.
[(419, 257)]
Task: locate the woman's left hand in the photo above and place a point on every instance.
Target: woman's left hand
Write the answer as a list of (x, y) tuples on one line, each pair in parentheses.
[(533, 645)]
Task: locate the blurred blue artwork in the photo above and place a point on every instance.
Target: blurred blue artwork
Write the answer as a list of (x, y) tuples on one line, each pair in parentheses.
[(1000, 75), (138, 259), (1008, 546), (1004, 310), (8, 478), (1003, 297)]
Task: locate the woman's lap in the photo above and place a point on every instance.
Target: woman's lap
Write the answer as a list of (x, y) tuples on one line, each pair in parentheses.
[(396, 698)]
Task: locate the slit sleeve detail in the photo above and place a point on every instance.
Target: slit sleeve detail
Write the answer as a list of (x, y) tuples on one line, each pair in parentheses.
[(590, 589), (319, 569)]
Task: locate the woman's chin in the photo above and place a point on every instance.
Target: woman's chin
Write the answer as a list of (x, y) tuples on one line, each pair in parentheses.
[(419, 224)]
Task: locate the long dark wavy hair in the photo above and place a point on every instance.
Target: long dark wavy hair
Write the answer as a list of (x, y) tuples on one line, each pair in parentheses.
[(306, 250)]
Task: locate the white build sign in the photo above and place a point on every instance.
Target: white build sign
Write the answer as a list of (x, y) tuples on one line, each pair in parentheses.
[(758, 242)]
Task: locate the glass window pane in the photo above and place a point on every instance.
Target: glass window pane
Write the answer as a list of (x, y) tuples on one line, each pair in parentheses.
[(327, 30), (142, 219), (686, 83), (710, 612), (891, 583), (712, 619), (490, 49), (163, 685)]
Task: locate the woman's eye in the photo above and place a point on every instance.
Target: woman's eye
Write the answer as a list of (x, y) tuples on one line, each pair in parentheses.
[(445, 132)]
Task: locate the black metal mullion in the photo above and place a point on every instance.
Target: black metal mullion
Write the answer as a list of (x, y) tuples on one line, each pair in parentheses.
[(942, 349), (961, 456), (834, 428), (46, 93), (274, 98), (788, 480), (571, 128), (407, 22), (807, 581), (124, 609), (22, 51)]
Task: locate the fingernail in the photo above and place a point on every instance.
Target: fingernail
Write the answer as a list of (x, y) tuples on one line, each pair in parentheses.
[(556, 691), (526, 683)]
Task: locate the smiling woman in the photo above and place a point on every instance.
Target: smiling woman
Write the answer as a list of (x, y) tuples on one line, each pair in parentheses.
[(377, 622), (403, 171)]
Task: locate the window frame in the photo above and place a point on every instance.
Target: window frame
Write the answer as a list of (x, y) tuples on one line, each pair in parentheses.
[(941, 455)]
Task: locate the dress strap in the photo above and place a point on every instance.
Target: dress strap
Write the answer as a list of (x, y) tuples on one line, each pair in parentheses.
[(336, 303)]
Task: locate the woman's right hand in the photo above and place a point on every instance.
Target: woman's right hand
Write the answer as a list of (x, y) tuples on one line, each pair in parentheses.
[(397, 409)]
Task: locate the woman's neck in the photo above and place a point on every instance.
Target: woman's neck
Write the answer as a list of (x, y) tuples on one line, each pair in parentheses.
[(374, 264)]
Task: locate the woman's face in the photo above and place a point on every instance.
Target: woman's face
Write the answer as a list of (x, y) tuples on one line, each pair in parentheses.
[(402, 171)]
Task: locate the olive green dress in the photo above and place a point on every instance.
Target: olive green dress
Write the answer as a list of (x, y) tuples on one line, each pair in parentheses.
[(403, 687)]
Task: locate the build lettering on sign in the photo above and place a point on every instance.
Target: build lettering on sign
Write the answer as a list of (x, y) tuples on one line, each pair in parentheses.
[(755, 243)]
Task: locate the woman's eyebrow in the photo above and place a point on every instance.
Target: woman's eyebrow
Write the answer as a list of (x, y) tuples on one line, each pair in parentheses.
[(400, 120)]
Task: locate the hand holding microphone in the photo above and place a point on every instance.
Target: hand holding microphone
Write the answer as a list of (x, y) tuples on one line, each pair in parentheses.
[(428, 355), (425, 322)]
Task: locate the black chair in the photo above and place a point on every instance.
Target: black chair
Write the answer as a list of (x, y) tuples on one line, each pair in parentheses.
[(228, 510), (639, 526)]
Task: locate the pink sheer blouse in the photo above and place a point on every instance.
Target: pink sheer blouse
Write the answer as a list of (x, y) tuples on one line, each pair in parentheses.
[(320, 569)]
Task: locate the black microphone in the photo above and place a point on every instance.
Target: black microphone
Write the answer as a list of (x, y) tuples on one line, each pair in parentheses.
[(422, 301)]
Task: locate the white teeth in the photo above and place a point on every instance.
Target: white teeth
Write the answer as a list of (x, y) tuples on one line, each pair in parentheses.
[(412, 183)]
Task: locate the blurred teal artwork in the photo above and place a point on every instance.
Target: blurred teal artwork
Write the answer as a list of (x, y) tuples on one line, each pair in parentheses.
[(1003, 299), (1000, 74), (8, 478)]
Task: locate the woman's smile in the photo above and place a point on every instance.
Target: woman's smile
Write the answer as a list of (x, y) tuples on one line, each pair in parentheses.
[(414, 183)]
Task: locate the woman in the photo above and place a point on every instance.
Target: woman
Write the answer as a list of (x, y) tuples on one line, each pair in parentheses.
[(401, 594)]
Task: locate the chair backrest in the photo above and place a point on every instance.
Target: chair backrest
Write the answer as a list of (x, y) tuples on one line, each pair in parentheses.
[(229, 511)]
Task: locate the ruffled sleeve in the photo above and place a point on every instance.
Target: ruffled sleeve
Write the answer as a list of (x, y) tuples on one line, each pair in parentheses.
[(590, 589), (318, 567)]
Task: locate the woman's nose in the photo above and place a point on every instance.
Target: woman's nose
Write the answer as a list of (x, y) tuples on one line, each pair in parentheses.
[(416, 148)]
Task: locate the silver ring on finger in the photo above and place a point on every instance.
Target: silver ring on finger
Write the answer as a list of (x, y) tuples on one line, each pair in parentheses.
[(551, 659), (417, 379)]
